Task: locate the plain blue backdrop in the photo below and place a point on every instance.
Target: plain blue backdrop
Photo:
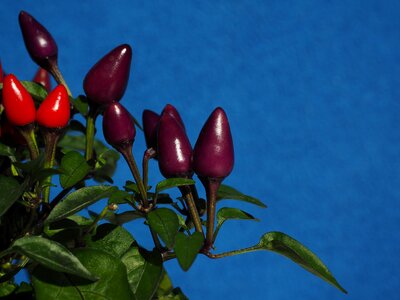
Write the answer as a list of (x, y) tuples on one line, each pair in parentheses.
[(312, 91)]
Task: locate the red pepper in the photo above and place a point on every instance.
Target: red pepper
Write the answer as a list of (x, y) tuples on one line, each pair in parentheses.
[(43, 77), (18, 103), (1, 73), (54, 112)]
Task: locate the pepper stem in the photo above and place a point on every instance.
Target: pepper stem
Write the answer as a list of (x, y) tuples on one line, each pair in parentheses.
[(28, 132), (128, 156), (148, 154), (90, 128), (211, 185), (51, 137), (190, 203), (55, 72)]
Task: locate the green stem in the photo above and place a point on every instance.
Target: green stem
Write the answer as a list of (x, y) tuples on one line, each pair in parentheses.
[(168, 255), (90, 128), (233, 252), (28, 132), (127, 154), (211, 185), (189, 200), (55, 71), (148, 154), (51, 137), (97, 219), (199, 206), (156, 240)]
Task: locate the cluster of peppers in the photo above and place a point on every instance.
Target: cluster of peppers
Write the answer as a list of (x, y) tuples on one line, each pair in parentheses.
[(211, 159)]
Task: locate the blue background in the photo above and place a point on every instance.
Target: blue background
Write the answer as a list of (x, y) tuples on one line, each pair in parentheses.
[(312, 91)]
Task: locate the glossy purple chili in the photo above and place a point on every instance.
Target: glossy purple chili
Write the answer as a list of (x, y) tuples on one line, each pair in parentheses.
[(213, 154), (38, 41), (118, 126), (150, 121), (171, 110), (107, 80), (174, 149)]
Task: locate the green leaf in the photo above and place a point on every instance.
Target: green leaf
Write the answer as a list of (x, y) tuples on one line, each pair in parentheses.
[(131, 186), (165, 223), (227, 192), (72, 142), (33, 166), (81, 105), (111, 238), (106, 163), (24, 291), (173, 182), (228, 213), (124, 217), (120, 197), (37, 91), (285, 245), (187, 247), (74, 169), (75, 125), (113, 283), (144, 272), (50, 254), (6, 289), (78, 200), (44, 174), (7, 151), (10, 191), (167, 291)]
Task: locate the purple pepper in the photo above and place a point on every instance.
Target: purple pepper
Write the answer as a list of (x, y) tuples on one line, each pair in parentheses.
[(171, 110), (150, 121), (38, 41), (106, 81), (174, 149), (213, 155), (118, 127)]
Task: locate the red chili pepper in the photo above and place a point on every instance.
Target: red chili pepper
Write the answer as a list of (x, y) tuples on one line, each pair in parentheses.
[(18, 103), (43, 77), (54, 112), (1, 73)]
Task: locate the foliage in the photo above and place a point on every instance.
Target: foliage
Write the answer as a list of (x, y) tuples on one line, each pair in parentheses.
[(69, 256)]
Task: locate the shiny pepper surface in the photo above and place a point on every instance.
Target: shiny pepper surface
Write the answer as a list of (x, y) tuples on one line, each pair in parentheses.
[(107, 80), (43, 77), (54, 112), (213, 155), (118, 126), (38, 41), (18, 103)]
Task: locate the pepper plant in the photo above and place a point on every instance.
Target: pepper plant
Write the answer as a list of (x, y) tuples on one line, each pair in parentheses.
[(44, 143)]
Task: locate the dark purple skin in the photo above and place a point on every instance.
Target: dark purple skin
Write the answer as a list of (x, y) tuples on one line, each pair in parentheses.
[(171, 110), (213, 155), (174, 149), (150, 121), (38, 41), (106, 81), (118, 127)]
